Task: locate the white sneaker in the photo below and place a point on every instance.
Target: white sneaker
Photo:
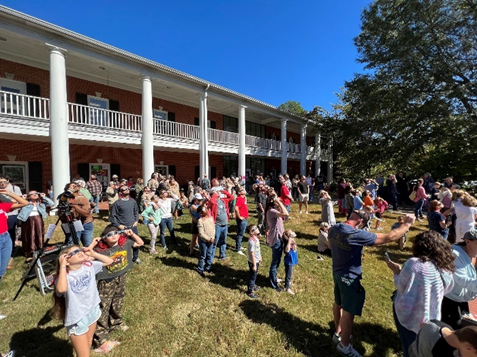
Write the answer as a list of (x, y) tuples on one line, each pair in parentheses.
[(347, 351), (243, 248), (336, 338), (240, 252), (301, 212), (306, 212)]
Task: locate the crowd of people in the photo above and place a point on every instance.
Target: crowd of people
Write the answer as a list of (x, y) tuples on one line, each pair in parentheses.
[(433, 288)]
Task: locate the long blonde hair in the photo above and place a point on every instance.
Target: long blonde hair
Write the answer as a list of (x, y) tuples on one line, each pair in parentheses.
[(59, 304)]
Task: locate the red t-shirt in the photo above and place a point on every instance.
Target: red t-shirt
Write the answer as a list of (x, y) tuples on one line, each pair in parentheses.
[(284, 193), (241, 204), (4, 209)]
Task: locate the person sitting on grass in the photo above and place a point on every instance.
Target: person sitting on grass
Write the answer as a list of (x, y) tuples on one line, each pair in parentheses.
[(76, 298), (323, 242), (291, 257), (152, 218), (437, 339), (118, 245), (254, 259), (206, 228), (397, 225)]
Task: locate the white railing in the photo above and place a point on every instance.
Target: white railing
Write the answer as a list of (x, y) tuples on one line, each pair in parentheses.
[(24, 105), (222, 136), (103, 118), (179, 130)]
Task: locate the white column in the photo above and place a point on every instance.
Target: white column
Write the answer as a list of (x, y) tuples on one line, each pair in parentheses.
[(60, 149), (284, 147), (241, 129), (203, 143), (147, 130), (318, 154), (330, 161), (303, 150)]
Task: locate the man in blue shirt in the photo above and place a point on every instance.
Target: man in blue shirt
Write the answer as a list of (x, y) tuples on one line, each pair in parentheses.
[(347, 241)]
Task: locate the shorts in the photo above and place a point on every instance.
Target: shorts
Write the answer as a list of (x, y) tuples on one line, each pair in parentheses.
[(349, 293), (378, 215), (304, 197), (82, 326), (195, 228)]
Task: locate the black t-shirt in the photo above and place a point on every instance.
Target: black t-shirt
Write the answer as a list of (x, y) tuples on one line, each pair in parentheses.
[(122, 260), (303, 187)]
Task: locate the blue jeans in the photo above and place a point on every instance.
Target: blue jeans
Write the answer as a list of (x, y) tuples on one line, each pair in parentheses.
[(167, 222), (418, 208), (406, 336), (288, 275), (206, 255), (220, 240), (288, 208), (85, 236), (135, 250), (95, 199), (251, 277), (5, 252), (276, 257), (241, 226)]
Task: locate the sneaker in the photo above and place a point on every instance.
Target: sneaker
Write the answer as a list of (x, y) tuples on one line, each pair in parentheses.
[(301, 212), (419, 219), (3, 317), (165, 248), (319, 257), (201, 273), (278, 290), (279, 280), (240, 252), (10, 354), (252, 295), (290, 291), (138, 261), (347, 351), (256, 288), (306, 212), (210, 272), (243, 248), (336, 338)]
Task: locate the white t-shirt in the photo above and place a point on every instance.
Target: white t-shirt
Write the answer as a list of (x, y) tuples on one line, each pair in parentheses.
[(82, 295), (465, 220)]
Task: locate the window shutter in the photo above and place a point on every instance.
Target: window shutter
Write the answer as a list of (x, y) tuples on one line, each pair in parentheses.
[(83, 170), (196, 121), (116, 170), (81, 98), (114, 105), (35, 181), (213, 124), (33, 89), (213, 172), (197, 173), (172, 170), (171, 116)]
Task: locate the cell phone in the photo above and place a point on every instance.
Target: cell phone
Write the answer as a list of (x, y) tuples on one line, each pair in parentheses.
[(387, 255)]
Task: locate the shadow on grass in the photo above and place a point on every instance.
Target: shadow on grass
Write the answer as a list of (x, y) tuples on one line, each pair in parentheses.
[(224, 275), (41, 342), (314, 340)]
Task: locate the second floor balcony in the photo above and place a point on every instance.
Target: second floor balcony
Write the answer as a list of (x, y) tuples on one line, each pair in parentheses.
[(26, 115)]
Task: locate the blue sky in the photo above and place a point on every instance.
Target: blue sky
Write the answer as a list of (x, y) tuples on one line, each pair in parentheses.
[(273, 51)]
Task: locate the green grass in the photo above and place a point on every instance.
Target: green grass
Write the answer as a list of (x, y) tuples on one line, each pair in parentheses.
[(172, 311)]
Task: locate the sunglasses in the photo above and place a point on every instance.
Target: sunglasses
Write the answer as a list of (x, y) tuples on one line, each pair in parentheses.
[(110, 234), (74, 252), (3, 182)]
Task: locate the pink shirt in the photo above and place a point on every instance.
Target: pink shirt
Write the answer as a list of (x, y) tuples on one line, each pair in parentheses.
[(420, 193)]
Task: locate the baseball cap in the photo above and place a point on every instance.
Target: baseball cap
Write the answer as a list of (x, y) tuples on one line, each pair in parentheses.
[(365, 216), (198, 196), (471, 235)]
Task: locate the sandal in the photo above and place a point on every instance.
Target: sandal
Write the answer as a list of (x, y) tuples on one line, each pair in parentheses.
[(107, 347)]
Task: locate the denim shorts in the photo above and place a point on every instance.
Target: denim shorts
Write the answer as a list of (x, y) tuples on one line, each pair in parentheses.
[(82, 326)]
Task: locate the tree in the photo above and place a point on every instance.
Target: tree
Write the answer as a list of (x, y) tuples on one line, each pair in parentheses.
[(292, 107), (416, 107)]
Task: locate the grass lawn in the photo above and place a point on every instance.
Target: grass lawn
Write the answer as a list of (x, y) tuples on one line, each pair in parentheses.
[(172, 311)]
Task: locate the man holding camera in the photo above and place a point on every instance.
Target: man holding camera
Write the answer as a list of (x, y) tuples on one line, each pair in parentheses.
[(81, 211)]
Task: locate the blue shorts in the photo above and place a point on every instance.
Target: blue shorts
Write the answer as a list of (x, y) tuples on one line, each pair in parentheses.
[(82, 326)]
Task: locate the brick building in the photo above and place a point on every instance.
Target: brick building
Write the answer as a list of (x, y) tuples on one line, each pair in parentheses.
[(70, 104)]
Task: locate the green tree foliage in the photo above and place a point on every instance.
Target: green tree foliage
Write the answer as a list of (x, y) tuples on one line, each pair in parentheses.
[(292, 107), (415, 108)]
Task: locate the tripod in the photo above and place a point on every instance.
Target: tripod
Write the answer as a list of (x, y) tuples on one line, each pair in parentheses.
[(46, 256)]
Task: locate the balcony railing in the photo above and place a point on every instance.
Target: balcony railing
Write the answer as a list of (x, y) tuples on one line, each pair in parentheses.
[(86, 115), (27, 106), (24, 105), (173, 129)]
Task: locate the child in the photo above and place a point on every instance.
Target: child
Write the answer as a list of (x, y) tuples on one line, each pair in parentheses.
[(403, 239), (206, 228), (291, 257), (323, 242), (76, 297), (152, 217), (380, 206), (327, 213), (254, 259), (112, 281)]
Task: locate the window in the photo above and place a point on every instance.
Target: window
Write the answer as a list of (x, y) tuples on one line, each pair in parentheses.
[(97, 114), (230, 124), (162, 169), (18, 173), (10, 103), (230, 166), (255, 129)]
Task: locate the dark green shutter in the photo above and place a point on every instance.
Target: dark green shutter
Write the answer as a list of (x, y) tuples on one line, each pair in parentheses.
[(171, 116), (213, 172), (35, 179), (213, 124), (116, 170), (34, 90), (114, 105), (196, 121), (81, 98), (83, 170), (197, 173), (172, 170)]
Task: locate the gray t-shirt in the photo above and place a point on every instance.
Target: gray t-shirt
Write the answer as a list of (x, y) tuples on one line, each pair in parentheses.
[(221, 219), (82, 295), (254, 247), (275, 226)]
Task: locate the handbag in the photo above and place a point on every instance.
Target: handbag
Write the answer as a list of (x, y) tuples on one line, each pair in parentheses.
[(412, 196)]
